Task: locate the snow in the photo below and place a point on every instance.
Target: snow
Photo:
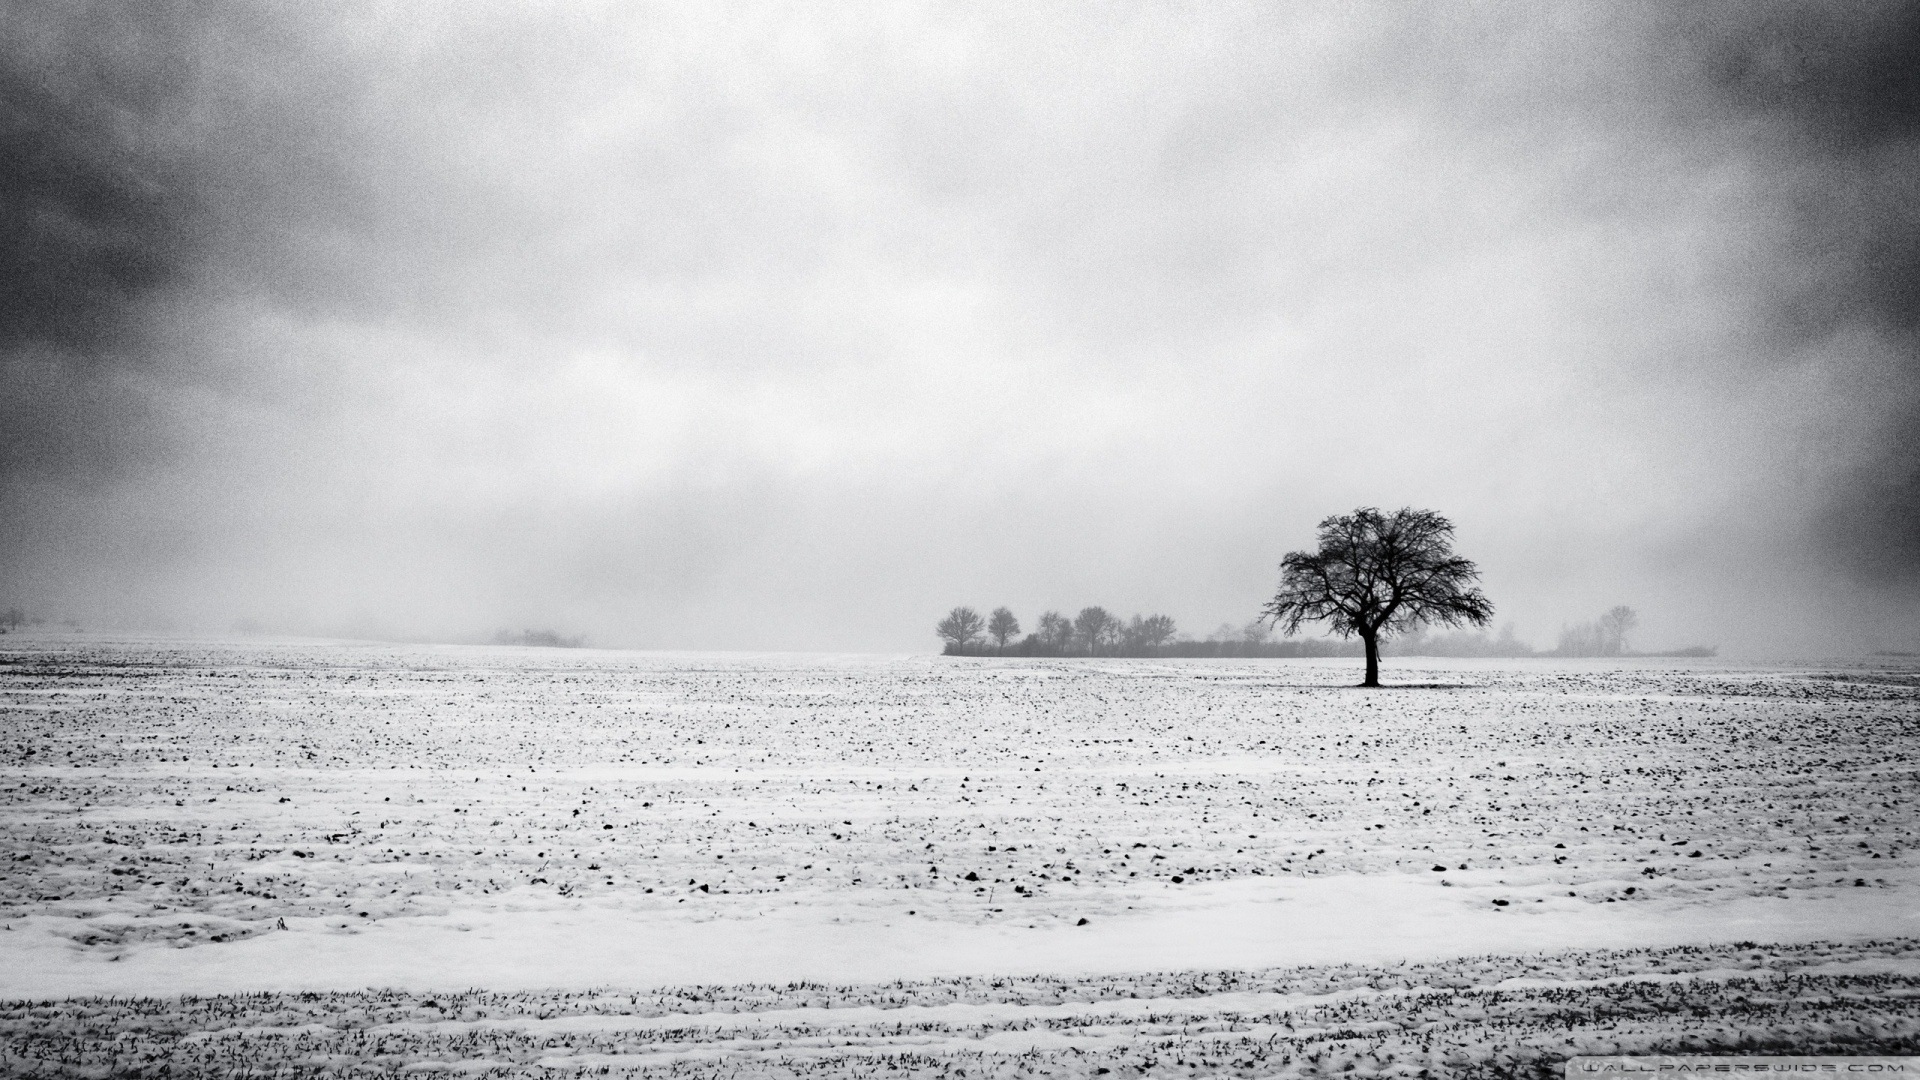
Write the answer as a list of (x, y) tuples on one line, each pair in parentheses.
[(1256, 924), (214, 817), (1517, 1014)]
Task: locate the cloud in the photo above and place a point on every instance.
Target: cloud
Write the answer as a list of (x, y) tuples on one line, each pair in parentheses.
[(791, 327), (1837, 94)]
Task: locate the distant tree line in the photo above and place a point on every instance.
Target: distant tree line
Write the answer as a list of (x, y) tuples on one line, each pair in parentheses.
[(1604, 636), (14, 618), (1607, 636), (547, 639), (1423, 642), (1095, 631)]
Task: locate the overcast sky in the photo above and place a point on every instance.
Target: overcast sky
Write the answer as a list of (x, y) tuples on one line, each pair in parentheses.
[(766, 326)]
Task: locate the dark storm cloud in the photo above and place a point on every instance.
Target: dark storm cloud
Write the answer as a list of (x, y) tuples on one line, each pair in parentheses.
[(1838, 89), (153, 157), (98, 217), (98, 223), (128, 157)]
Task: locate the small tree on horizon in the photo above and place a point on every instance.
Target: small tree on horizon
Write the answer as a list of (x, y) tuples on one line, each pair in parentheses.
[(1150, 632), (1002, 626), (960, 627), (1055, 630), (1615, 625), (1095, 627), (1379, 574)]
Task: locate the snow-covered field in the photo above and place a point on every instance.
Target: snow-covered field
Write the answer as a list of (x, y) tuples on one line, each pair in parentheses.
[(528, 860)]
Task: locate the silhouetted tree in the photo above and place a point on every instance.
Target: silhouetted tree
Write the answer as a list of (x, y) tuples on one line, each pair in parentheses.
[(1002, 626), (1095, 626), (1605, 636), (1615, 625), (1148, 633), (1379, 574), (961, 626), (1056, 631)]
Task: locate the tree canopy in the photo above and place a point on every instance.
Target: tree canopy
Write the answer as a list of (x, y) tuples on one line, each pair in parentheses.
[(1095, 627), (1056, 630), (1095, 632), (1616, 624), (1002, 625), (1379, 573), (961, 625)]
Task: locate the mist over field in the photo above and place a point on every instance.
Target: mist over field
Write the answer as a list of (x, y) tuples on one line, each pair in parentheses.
[(683, 326)]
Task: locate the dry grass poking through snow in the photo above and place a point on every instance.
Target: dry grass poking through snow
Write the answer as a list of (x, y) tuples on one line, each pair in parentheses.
[(1484, 1016)]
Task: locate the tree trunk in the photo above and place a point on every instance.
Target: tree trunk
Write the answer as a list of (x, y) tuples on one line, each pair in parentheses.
[(1373, 659)]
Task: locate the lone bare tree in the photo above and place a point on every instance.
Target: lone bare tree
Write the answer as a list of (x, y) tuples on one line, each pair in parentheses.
[(960, 627), (1379, 574), (1001, 626)]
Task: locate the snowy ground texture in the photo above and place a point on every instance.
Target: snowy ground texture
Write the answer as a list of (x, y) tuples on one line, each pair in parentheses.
[(303, 858)]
